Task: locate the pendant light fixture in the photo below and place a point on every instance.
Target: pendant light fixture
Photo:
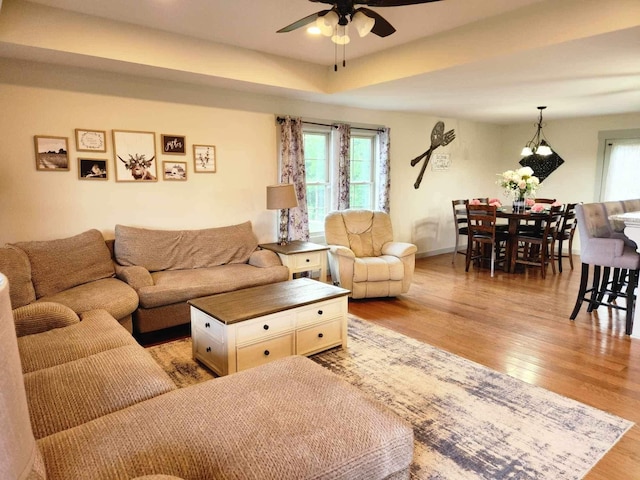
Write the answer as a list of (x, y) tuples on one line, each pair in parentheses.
[(538, 145)]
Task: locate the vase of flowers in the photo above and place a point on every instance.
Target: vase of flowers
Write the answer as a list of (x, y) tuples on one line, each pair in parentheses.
[(519, 184)]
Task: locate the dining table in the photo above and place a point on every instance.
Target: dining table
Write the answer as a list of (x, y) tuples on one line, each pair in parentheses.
[(515, 217)]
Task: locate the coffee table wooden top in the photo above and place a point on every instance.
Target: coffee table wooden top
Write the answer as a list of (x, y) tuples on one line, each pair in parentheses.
[(253, 302)]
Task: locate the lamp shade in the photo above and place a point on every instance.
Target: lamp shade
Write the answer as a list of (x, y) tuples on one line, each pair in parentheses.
[(281, 196)]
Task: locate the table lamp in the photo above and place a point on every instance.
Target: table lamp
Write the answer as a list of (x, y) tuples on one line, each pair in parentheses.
[(282, 197)]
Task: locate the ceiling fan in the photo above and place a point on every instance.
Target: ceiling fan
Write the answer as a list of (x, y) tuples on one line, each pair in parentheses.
[(344, 11)]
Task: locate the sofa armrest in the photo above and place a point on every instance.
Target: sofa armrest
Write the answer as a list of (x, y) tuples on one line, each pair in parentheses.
[(40, 317), (399, 249), (264, 258), (135, 276), (341, 251)]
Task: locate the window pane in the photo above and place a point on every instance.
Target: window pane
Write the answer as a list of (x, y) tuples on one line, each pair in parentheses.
[(621, 178), (316, 206), (315, 155), (361, 159), (360, 196)]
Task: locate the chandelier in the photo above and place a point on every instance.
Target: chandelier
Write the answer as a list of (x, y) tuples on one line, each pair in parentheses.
[(538, 145)]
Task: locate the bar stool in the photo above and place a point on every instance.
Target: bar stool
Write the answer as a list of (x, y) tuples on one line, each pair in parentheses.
[(604, 254)]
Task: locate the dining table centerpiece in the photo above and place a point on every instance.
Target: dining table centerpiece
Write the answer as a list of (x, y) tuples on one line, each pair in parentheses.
[(519, 184)]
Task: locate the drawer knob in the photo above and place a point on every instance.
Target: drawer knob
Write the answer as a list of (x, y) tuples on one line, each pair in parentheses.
[(207, 325), (266, 327), (307, 260), (208, 349), (266, 353), (320, 335), (319, 312)]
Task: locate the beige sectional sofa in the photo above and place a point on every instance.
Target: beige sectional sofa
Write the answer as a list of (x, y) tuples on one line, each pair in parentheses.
[(167, 268), (81, 400)]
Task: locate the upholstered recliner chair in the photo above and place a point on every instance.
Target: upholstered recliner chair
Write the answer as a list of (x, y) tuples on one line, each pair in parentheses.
[(364, 258)]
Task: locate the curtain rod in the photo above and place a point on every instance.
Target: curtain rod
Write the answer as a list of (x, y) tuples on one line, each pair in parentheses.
[(379, 130)]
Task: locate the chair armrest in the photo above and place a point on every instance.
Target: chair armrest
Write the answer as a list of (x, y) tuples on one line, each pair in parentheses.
[(601, 251), (399, 249), (341, 251), (264, 258), (40, 317), (135, 276)]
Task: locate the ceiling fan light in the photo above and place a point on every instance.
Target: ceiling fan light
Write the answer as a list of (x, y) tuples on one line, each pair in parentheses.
[(341, 39), (330, 19), (362, 23)]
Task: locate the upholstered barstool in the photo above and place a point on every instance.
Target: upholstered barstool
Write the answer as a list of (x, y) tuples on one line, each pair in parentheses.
[(604, 251)]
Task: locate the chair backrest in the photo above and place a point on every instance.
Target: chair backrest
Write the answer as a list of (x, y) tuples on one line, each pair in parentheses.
[(552, 223), (568, 225), (460, 213), (19, 454), (482, 221), (547, 201), (363, 231)]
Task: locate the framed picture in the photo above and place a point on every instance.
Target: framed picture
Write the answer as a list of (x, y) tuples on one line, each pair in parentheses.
[(204, 158), (174, 170), (174, 144), (92, 169), (134, 154), (52, 153), (91, 140)]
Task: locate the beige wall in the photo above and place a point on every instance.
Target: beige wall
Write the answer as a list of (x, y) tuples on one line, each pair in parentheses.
[(40, 99)]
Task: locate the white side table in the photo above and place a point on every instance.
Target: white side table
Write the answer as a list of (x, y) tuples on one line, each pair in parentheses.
[(299, 256)]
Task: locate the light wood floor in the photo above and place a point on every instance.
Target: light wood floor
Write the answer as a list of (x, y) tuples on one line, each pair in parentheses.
[(519, 324)]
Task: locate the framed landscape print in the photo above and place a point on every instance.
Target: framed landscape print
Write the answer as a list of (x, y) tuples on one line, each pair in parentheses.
[(52, 153), (173, 144), (204, 158), (134, 155), (92, 169), (91, 140), (174, 170)]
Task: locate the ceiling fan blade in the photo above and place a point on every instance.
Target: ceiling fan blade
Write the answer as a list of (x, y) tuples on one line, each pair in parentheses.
[(391, 3), (382, 28), (303, 21)]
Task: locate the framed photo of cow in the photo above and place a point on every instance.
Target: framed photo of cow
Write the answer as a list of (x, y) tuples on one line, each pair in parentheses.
[(134, 154), (204, 158), (173, 144)]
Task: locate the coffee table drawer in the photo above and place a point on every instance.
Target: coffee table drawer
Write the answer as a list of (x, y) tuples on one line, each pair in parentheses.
[(267, 326), (210, 352), (319, 337), (320, 312), (267, 351), (206, 324)]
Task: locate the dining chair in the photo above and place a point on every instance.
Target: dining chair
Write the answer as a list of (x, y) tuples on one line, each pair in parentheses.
[(460, 223), (566, 231), (603, 251), (483, 236), (546, 201), (537, 247), (535, 225)]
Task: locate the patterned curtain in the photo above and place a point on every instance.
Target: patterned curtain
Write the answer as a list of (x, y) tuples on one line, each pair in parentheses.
[(344, 164), (293, 171), (384, 178)]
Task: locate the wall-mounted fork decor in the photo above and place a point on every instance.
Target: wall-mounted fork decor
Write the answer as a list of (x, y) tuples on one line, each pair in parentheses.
[(438, 138)]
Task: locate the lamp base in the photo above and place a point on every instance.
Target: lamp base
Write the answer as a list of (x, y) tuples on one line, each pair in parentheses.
[(284, 227)]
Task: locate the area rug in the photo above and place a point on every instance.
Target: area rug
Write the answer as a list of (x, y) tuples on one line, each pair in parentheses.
[(469, 422)]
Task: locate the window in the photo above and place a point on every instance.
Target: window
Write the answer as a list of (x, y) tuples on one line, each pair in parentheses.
[(621, 165), (321, 164)]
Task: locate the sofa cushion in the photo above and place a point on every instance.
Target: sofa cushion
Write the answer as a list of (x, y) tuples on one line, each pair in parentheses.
[(73, 393), (97, 332), (276, 421), (158, 250), (181, 285), (14, 263), (57, 265), (110, 294)]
